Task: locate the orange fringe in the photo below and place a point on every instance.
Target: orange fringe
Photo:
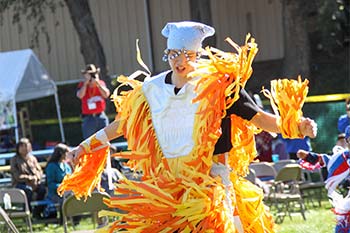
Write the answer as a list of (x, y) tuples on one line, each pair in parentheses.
[(86, 175), (179, 194), (287, 98)]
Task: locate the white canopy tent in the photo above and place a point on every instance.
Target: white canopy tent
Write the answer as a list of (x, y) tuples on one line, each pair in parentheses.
[(23, 78)]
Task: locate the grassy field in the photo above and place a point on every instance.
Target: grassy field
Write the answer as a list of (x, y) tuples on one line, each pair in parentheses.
[(318, 220)]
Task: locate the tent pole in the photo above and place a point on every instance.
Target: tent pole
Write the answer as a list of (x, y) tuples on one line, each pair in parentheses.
[(58, 108), (16, 121)]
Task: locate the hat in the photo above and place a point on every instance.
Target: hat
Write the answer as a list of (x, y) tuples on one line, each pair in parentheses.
[(186, 35), (91, 69), (341, 136), (347, 132)]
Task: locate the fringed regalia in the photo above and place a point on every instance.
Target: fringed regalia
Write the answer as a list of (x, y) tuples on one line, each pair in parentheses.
[(189, 192)]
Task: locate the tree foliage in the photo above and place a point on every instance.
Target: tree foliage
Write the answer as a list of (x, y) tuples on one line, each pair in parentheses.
[(82, 19), (33, 11), (333, 23)]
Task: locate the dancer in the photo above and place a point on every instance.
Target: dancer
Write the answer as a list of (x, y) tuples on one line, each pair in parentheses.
[(173, 124), (338, 170)]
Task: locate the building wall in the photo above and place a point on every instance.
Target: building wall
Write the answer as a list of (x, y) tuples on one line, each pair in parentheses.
[(261, 18), (120, 22)]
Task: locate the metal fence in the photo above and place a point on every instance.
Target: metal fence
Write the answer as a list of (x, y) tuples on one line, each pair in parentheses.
[(326, 115)]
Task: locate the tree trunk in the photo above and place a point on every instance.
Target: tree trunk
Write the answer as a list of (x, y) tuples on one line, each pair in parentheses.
[(90, 45), (296, 41), (201, 12)]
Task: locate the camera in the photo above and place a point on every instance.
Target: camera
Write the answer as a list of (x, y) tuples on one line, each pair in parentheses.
[(93, 76)]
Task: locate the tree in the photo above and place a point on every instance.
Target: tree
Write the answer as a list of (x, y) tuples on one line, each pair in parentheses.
[(296, 41), (83, 21), (200, 12), (90, 45)]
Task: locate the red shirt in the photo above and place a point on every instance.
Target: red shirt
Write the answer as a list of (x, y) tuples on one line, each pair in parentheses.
[(92, 102), (263, 143)]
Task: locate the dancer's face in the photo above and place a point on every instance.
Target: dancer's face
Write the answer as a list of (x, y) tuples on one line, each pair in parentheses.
[(180, 61)]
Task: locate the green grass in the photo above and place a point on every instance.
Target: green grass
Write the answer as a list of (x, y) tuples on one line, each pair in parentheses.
[(318, 220)]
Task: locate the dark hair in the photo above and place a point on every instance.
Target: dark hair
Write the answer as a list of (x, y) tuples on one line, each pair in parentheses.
[(59, 150), (22, 141)]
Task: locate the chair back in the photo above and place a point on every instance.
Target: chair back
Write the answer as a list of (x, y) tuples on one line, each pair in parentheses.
[(251, 176), (73, 207), (285, 192), (290, 172), (18, 196), (264, 171), (278, 165)]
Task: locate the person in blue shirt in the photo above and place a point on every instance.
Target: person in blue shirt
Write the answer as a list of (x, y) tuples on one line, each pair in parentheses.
[(55, 170), (294, 145), (344, 120)]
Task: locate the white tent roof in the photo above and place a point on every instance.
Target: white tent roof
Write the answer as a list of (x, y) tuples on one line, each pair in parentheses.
[(23, 77)]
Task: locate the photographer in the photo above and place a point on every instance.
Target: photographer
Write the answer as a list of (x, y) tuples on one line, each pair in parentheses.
[(92, 93)]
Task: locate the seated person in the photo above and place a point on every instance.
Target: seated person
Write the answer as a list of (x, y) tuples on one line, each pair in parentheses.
[(55, 170), (27, 173), (263, 143)]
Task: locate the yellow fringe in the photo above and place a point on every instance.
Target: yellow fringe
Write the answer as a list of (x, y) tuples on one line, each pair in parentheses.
[(179, 194), (287, 98)]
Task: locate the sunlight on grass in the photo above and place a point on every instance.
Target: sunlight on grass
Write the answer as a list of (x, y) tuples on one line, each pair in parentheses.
[(318, 220)]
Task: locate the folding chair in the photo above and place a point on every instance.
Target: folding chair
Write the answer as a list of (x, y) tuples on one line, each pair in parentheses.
[(264, 171), (312, 186), (251, 176), (285, 195), (18, 197), (278, 165), (10, 226), (73, 207)]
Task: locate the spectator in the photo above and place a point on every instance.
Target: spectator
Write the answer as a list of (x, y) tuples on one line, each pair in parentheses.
[(27, 173), (278, 147), (293, 145), (55, 170), (263, 142), (344, 120), (92, 93)]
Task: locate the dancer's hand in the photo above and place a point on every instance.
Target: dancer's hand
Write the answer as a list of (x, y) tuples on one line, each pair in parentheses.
[(302, 154), (74, 154), (308, 127)]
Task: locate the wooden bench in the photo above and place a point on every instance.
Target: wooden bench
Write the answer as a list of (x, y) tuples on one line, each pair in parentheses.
[(7, 168)]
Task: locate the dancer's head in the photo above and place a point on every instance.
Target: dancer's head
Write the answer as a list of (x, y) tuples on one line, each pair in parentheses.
[(184, 41)]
